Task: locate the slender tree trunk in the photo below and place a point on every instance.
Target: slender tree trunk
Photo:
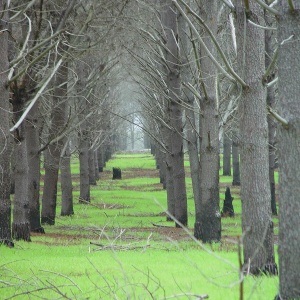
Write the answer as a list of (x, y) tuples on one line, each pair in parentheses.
[(92, 174), (66, 182), (175, 112), (255, 185), (288, 144), (5, 204), (33, 155), (169, 176), (84, 167), (235, 164), (100, 159), (52, 157), (191, 133), (269, 41), (226, 155), (208, 220), (96, 166)]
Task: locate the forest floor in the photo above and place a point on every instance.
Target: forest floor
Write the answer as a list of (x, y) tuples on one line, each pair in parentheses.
[(120, 246)]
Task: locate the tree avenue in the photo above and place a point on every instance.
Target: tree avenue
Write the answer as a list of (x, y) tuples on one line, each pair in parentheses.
[(197, 77)]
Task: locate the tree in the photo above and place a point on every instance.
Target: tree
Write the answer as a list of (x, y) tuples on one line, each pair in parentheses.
[(288, 145), (208, 220), (5, 204), (258, 244), (174, 111)]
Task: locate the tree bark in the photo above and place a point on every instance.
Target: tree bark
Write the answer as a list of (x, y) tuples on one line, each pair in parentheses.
[(84, 167), (92, 174), (174, 109), (226, 155), (258, 244), (269, 41), (235, 164), (288, 145), (33, 156), (5, 204), (66, 182), (208, 220), (52, 156)]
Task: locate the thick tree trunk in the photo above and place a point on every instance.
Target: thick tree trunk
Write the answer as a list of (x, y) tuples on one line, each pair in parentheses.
[(5, 204), (66, 183), (52, 157), (33, 155), (208, 220), (258, 244), (226, 155), (288, 144)]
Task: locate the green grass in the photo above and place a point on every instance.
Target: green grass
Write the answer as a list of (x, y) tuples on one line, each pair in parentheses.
[(136, 260)]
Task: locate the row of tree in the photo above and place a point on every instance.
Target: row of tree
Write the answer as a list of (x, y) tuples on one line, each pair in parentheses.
[(201, 70)]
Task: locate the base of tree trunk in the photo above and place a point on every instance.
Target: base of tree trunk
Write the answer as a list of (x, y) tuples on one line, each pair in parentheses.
[(117, 174), (269, 269), (206, 233), (84, 201), (67, 214), (47, 220), (21, 231), (38, 230), (236, 183), (8, 243)]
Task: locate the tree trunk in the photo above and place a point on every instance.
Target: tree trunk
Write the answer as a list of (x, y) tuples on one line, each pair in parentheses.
[(258, 244), (174, 109), (191, 133), (92, 174), (66, 182), (269, 41), (21, 224), (33, 155), (288, 145), (226, 155), (208, 220), (52, 157), (84, 167), (96, 166), (5, 204), (235, 164)]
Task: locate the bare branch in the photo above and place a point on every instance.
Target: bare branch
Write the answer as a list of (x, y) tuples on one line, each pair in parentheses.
[(230, 70), (38, 94), (267, 7)]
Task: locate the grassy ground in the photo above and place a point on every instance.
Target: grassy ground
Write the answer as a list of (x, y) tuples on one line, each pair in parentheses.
[(121, 247)]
